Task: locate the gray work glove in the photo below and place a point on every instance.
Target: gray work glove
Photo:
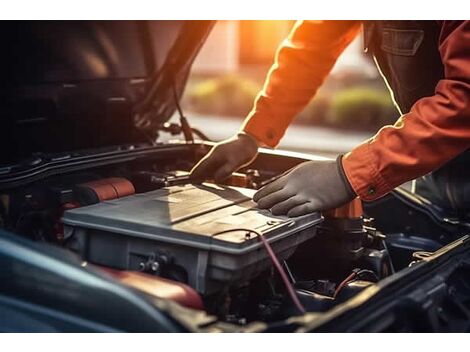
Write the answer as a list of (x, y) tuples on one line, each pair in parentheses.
[(225, 158), (308, 187)]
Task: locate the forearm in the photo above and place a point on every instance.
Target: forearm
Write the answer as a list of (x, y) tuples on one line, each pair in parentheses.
[(436, 130), (302, 62)]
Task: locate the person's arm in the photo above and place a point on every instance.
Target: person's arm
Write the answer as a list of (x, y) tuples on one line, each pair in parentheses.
[(435, 130), (302, 63)]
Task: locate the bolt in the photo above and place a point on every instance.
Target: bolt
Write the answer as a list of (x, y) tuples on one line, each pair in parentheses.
[(154, 267)]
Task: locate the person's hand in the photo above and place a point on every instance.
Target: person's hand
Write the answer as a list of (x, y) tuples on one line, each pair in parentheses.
[(309, 187), (226, 157)]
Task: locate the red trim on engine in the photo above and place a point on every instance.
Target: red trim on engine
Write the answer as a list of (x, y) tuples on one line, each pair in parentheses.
[(158, 287), (110, 188)]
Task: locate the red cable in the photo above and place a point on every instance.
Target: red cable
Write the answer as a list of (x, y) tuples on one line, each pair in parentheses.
[(277, 265), (282, 273), (344, 283)]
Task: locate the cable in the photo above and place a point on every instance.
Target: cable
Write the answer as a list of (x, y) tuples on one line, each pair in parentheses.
[(277, 265), (390, 263), (344, 283), (200, 134), (174, 129), (187, 132), (147, 136)]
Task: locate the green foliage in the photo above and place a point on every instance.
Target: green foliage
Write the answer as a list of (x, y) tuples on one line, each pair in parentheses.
[(361, 108), (358, 108), (223, 96), (351, 108), (316, 112)]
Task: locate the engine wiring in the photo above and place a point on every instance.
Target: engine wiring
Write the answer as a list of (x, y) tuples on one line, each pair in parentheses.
[(343, 283), (185, 127), (285, 279), (175, 129), (356, 274), (200, 134)]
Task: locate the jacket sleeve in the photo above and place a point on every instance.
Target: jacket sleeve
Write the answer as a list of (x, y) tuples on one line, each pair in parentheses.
[(302, 62), (436, 129)]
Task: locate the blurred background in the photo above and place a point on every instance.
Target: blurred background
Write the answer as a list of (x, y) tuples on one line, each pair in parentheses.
[(231, 68)]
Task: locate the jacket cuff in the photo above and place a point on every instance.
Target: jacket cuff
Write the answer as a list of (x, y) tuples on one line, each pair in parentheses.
[(360, 167), (260, 127)]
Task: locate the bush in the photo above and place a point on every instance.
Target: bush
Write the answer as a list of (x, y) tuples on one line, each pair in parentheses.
[(224, 96), (361, 108), (352, 108), (316, 112)]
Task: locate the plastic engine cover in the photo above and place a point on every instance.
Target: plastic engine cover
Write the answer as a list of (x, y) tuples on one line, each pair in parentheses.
[(208, 230)]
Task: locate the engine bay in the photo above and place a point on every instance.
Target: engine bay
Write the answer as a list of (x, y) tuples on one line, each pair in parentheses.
[(204, 235), (204, 246), (102, 230)]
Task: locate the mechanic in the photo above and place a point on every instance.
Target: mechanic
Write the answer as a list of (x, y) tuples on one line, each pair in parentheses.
[(427, 67)]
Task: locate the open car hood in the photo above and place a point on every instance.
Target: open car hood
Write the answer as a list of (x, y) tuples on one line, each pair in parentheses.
[(86, 84)]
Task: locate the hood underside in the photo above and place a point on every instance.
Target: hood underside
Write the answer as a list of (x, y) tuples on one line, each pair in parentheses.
[(69, 85)]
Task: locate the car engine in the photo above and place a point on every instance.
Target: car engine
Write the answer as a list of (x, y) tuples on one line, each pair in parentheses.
[(204, 246)]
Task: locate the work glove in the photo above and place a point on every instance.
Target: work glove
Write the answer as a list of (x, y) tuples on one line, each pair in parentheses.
[(226, 157), (309, 187)]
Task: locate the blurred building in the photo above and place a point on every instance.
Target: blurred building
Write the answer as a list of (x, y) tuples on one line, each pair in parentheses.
[(249, 46), (230, 71)]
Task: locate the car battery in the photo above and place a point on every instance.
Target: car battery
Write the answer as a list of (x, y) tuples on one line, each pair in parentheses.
[(208, 231)]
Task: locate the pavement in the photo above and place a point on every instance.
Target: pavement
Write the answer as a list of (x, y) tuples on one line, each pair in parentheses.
[(301, 138)]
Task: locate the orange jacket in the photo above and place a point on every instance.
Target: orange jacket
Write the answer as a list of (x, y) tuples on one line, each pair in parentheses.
[(436, 129)]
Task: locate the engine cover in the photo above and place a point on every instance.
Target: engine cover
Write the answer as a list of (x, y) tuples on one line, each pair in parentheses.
[(208, 231)]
